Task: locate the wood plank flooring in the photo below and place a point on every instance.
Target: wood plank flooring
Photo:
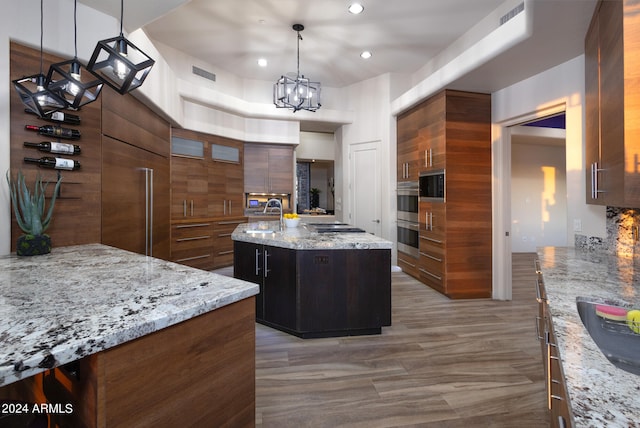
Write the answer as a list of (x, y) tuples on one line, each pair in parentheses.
[(443, 363)]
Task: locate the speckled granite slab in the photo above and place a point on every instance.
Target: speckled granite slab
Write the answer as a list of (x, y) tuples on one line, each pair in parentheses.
[(601, 394), (80, 300), (301, 238)]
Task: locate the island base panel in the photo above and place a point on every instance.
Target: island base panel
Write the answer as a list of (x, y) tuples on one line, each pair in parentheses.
[(200, 372)]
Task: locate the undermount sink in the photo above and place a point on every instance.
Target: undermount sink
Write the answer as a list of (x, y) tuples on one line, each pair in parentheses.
[(615, 339)]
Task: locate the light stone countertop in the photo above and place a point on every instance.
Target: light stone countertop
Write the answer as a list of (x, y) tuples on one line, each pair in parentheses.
[(601, 394), (79, 300), (301, 238)]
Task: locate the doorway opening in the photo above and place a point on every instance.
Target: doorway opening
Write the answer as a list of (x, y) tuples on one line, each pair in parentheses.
[(538, 184), (502, 196)]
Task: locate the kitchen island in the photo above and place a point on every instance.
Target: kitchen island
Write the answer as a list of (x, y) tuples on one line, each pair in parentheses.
[(600, 394), (127, 340), (316, 284)]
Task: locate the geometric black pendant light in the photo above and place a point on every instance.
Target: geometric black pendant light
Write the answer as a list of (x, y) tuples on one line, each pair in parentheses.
[(67, 81), (119, 63), (33, 90)]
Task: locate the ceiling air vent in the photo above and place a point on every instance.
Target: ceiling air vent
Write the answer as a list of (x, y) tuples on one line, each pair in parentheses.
[(513, 12), (203, 73)]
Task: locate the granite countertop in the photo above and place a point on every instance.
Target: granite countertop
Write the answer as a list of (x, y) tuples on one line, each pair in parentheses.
[(301, 238), (79, 300), (600, 393)]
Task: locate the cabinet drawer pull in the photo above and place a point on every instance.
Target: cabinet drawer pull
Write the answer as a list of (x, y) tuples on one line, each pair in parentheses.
[(538, 319), (185, 226), (186, 259), (231, 222), (195, 238), (539, 297), (224, 235), (431, 239), (439, 278), (407, 263), (223, 253), (431, 257)]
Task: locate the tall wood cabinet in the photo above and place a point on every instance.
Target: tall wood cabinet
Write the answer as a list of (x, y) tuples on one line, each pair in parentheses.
[(453, 133), (268, 168), (135, 176), (612, 110), (207, 183)]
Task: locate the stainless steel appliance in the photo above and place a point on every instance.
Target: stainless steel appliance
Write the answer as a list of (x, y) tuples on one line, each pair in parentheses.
[(407, 195), (432, 186), (333, 227), (409, 238)]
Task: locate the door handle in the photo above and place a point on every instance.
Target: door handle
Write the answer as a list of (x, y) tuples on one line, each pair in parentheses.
[(375, 221)]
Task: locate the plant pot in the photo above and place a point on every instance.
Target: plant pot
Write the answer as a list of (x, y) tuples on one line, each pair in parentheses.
[(33, 245), (291, 222)]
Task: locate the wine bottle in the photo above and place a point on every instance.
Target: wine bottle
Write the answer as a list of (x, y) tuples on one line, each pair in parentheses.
[(55, 147), (55, 163), (59, 116), (55, 131)]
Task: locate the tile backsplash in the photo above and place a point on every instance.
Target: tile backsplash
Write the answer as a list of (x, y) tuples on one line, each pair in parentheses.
[(622, 233)]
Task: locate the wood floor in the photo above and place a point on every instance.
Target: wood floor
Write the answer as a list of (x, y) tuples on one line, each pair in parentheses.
[(443, 363)]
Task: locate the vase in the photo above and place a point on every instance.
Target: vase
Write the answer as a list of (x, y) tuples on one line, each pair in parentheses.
[(33, 245)]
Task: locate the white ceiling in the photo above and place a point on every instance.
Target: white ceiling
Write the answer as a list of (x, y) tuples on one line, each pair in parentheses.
[(403, 36)]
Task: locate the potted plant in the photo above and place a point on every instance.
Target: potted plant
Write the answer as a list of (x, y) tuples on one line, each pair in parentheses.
[(315, 197), (29, 209)]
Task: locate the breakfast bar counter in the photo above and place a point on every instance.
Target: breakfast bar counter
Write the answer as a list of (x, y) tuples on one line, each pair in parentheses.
[(136, 323), (600, 394)]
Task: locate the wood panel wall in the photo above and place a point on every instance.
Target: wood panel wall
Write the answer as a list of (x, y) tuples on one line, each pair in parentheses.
[(76, 217)]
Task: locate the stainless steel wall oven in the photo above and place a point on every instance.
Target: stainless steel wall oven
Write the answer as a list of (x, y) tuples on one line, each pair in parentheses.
[(408, 227)]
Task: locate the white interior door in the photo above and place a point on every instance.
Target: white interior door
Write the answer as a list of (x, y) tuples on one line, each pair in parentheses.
[(364, 186)]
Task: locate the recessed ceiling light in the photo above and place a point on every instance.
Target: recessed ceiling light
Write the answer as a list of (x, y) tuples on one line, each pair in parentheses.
[(262, 62), (356, 8), (365, 55)]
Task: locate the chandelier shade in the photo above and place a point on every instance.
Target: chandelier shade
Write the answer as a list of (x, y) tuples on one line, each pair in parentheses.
[(298, 93), (67, 81), (33, 90), (36, 97), (119, 63)]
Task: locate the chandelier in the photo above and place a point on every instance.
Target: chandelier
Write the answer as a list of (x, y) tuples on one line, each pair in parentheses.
[(299, 93)]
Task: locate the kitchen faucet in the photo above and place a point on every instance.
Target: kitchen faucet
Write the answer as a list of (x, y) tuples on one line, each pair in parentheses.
[(266, 207)]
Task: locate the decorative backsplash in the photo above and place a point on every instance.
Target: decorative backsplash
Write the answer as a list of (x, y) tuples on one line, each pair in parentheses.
[(622, 233)]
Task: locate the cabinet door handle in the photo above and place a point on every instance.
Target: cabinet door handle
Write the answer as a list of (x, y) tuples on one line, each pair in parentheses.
[(257, 262), (184, 208), (538, 319), (266, 263), (430, 156), (191, 207), (224, 207), (426, 157)]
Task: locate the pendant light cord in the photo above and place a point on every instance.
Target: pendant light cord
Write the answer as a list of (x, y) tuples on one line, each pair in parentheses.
[(41, 31), (121, 15), (75, 28), (299, 38)]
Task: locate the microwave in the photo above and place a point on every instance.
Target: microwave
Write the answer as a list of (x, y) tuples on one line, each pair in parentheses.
[(432, 186)]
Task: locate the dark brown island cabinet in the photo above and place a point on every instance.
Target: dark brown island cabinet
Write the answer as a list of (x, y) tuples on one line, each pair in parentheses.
[(318, 293)]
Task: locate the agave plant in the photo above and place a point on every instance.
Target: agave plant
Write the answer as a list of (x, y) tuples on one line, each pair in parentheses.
[(28, 205)]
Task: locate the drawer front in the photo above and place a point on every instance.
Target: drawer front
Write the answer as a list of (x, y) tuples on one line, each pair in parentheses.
[(192, 245), (223, 245), (408, 264)]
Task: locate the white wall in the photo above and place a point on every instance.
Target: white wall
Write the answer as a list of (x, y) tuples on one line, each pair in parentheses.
[(370, 102), (316, 145), (538, 196), (560, 85)]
